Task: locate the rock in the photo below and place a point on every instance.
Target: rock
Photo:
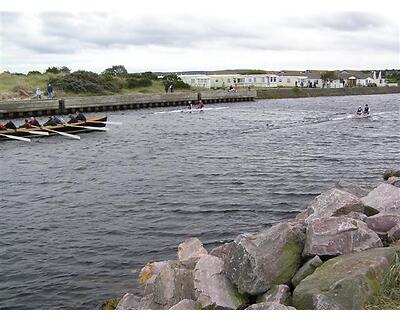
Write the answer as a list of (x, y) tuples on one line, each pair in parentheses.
[(345, 282), (394, 233), (352, 188), (257, 262), (333, 202), (357, 216), (306, 269), (186, 304), (395, 181), (338, 235), (279, 294), (383, 222), (222, 251), (385, 198), (213, 290), (391, 173), (190, 251), (129, 302), (165, 284), (269, 306)]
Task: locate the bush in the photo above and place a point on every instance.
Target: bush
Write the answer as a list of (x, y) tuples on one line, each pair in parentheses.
[(33, 72), (85, 82), (137, 83)]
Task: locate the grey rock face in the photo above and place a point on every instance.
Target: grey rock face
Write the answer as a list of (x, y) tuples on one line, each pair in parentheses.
[(333, 202), (383, 222), (352, 188), (357, 216), (345, 282), (257, 262), (129, 302), (165, 284), (391, 173), (385, 198), (222, 250), (306, 269), (213, 290), (338, 235), (190, 251), (279, 294), (269, 306), (186, 304)]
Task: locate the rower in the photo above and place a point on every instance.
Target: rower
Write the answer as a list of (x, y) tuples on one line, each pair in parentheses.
[(49, 122), (72, 119), (26, 125), (10, 125), (33, 122), (359, 110), (366, 109), (200, 105), (2, 127), (189, 105), (80, 116)]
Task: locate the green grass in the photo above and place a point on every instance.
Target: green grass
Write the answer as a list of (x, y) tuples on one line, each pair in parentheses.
[(389, 295)]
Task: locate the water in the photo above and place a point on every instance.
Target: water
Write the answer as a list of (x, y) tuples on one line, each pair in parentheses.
[(80, 218)]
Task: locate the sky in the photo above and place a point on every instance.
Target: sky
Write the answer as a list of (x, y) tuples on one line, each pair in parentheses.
[(177, 35)]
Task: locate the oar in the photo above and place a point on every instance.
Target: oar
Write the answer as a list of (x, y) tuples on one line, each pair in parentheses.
[(15, 137), (41, 133), (106, 122), (61, 133), (89, 128)]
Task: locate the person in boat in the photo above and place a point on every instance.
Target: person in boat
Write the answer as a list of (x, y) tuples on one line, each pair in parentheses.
[(359, 110), (72, 119), (80, 116), (53, 121), (10, 125), (189, 105), (26, 125), (200, 105), (2, 127), (366, 109), (34, 123)]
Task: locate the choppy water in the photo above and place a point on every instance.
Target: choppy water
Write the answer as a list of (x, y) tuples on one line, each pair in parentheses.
[(80, 218)]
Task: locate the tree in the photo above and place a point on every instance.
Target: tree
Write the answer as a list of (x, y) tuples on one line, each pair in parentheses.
[(328, 76), (116, 71)]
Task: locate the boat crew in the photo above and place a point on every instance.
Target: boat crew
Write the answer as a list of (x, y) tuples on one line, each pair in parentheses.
[(53, 121), (10, 125), (80, 116), (34, 123), (366, 109), (200, 105), (2, 127), (26, 125), (189, 105), (359, 110)]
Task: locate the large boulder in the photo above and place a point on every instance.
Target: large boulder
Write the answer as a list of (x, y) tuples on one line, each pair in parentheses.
[(129, 302), (345, 282), (213, 290), (222, 250), (351, 188), (257, 262), (385, 198), (333, 202), (383, 222), (279, 294), (190, 251), (186, 304), (306, 269), (338, 235), (148, 275), (269, 306), (172, 283)]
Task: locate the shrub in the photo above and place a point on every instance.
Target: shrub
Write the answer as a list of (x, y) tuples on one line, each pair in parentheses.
[(33, 72), (137, 83)]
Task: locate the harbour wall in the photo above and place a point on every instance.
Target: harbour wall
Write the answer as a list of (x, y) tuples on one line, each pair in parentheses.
[(24, 108)]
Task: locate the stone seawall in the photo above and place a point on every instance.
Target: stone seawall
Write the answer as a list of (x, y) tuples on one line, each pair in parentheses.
[(282, 93)]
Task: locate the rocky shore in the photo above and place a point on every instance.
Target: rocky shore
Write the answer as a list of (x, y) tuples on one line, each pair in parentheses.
[(333, 255)]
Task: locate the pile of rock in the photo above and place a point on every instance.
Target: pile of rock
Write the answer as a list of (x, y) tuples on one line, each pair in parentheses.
[(331, 256)]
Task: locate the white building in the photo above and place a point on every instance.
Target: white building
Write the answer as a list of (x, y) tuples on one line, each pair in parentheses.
[(196, 80)]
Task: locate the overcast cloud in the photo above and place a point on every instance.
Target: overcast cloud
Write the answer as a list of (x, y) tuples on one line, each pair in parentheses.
[(198, 40)]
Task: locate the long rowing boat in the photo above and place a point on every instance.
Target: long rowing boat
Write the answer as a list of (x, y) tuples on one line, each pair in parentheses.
[(79, 127)]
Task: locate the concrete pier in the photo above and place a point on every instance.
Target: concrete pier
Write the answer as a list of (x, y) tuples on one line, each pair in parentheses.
[(25, 108)]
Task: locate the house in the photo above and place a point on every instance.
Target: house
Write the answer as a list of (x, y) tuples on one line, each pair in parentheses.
[(196, 80), (291, 79)]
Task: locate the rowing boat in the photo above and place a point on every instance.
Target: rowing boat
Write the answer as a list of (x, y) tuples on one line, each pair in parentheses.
[(362, 115), (190, 110), (79, 127)]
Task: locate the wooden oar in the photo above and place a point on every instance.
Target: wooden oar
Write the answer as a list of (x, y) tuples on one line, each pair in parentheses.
[(106, 122), (15, 137), (89, 128), (41, 133), (61, 133)]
